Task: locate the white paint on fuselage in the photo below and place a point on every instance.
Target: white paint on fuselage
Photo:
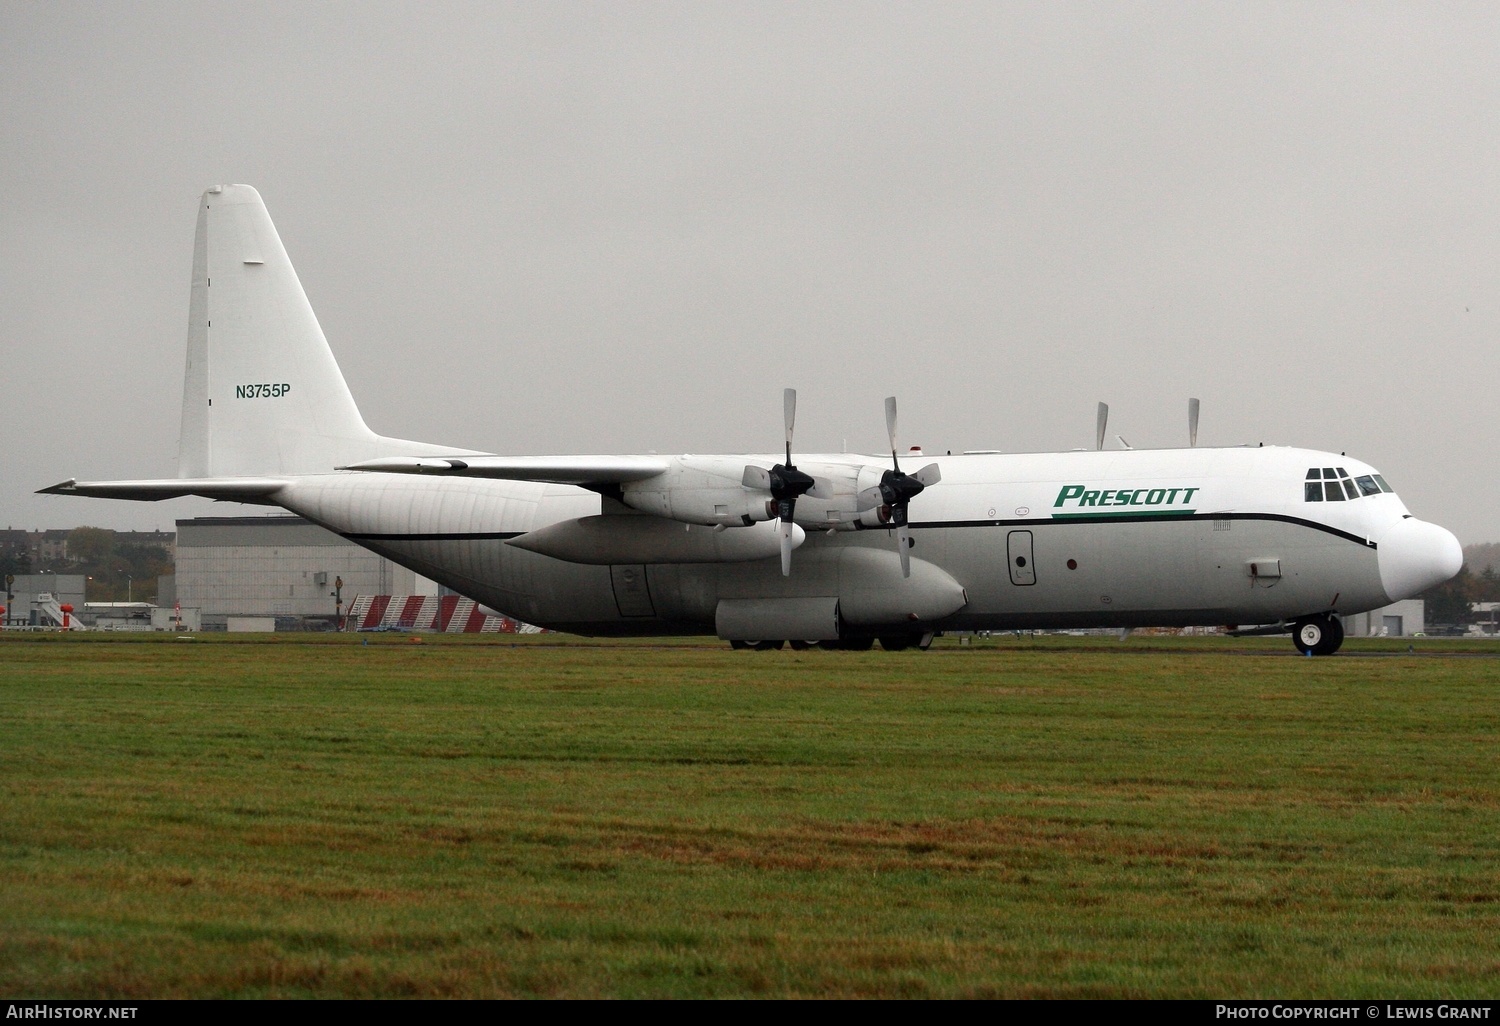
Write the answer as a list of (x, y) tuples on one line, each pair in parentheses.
[(1149, 569)]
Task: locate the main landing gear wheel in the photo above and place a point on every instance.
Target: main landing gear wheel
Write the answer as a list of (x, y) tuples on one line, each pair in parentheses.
[(902, 642), (848, 645), (1318, 635), (757, 646)]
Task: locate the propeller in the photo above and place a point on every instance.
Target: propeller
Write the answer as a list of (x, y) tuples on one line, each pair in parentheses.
[(1192, 423), (1102, 423), (897, 489), (784, 481)]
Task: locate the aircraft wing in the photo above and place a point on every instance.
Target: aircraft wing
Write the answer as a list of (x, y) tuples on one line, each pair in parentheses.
[(232, 489), (573, 470)]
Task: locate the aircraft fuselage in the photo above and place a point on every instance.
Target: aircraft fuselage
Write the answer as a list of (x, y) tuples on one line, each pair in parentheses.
[(1167, 537)]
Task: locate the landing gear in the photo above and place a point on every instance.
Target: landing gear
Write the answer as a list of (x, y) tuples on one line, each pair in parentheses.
[(849, 644), (855, 643), (902, 642), (1318, 635)]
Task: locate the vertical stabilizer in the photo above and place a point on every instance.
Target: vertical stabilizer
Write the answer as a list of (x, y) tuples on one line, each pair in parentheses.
[(262, 393)]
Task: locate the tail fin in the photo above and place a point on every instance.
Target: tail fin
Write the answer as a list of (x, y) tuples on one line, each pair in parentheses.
[(262, 392)]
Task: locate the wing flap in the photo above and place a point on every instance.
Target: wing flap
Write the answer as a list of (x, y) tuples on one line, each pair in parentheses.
[(232, 489), (574, 470)]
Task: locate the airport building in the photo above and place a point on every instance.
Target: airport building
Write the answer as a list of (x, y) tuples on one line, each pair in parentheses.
[(34, 597), (276, 570), (1397, 620)]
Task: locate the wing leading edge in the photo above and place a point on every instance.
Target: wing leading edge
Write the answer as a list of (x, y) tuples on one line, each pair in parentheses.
[(573, 470)]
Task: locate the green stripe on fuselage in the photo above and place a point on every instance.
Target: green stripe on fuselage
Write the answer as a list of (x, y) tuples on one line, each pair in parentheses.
[(1122, 514)]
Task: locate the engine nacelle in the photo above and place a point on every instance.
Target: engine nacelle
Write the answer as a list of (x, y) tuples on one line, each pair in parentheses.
[(710, 490), (706, 490), (878, 516), (833, 502)]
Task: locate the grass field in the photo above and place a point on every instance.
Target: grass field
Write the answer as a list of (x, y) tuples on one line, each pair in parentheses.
[(307, 815)]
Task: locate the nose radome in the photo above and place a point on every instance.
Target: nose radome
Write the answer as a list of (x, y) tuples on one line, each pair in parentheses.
[(1415, 555)]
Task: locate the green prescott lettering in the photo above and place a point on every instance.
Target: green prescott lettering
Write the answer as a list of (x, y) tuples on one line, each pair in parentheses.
[(262, 391), (1083, 495)]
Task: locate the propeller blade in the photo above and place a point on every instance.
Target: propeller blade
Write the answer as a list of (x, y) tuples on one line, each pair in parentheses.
[(890, 422), (758, 478), (786, 548), (928, 475), (903, 541), (789, 409), (1192, 423), (1102, 423)]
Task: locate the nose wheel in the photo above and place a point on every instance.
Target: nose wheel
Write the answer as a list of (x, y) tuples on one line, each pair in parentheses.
[(1318, 635)]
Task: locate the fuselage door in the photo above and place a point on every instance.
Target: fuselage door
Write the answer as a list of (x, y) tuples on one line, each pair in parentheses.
[(632, 593), (1022, 570)]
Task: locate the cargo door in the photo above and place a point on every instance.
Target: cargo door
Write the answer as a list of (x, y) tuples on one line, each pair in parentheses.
[(1022, 569)]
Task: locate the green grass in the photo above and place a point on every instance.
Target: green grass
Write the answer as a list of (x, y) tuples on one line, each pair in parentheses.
[(1061, 817)]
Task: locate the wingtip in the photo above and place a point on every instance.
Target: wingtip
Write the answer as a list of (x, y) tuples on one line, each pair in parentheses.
[(61, 488)]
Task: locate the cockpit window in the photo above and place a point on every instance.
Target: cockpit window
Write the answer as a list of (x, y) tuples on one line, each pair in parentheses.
[(1333, 484), (1383, 486)]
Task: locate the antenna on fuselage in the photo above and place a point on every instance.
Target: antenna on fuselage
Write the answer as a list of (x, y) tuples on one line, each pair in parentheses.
[(1102, 424), (1192, 423)]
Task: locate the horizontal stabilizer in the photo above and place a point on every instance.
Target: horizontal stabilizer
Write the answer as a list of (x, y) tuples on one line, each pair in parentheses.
[(231, 489), (574, 470)]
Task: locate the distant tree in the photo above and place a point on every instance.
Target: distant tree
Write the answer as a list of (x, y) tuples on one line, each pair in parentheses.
[(1487, 586), (1449, 602), (91, 547), (14, 562)]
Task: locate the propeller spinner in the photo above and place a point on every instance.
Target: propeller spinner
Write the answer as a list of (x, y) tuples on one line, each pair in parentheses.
[(785, 483), (897, 489)]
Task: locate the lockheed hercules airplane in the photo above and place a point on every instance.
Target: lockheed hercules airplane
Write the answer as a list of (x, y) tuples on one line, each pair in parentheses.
[(834, 549)]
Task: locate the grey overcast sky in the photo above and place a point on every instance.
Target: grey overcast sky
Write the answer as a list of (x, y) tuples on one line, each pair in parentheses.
[(624, 227)]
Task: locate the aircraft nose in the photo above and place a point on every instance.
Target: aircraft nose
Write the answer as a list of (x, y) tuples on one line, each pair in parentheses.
[(1415, 555)]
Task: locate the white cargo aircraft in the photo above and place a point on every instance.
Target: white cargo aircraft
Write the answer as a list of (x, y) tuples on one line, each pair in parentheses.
[(1289, 539)]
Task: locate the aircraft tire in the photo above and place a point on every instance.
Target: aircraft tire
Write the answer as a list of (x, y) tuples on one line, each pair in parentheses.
[(802, 646), (856, 644), (1318, 635), (897, 642)]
